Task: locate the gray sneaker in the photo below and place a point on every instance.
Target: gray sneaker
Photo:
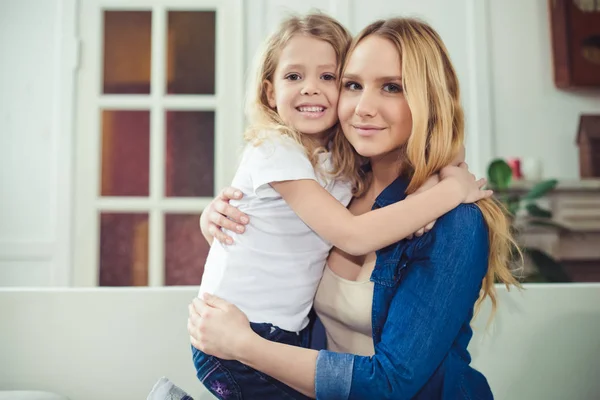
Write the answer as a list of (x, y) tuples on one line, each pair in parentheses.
[(164, 389)]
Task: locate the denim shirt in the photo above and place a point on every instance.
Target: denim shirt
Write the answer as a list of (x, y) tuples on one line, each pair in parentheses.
[(424, 294)]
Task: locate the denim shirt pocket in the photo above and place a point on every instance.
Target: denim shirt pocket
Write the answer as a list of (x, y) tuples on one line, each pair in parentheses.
[(387, 276), (393, 263), (389, 270)]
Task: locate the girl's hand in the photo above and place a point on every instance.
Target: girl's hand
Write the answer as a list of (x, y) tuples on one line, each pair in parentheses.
[(471, 189), (218, 328), (220, 214)]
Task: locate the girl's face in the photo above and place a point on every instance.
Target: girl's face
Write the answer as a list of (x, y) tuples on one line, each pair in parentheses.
[(373, 111), (304, 89)]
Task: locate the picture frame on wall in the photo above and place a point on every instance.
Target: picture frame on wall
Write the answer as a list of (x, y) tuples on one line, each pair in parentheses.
[(575, 32)]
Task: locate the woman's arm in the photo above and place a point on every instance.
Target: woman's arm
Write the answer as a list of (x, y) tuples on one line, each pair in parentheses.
[(433, 302), (219, 328), (269, 357), (365, 233), (220, 214), (439, 286)]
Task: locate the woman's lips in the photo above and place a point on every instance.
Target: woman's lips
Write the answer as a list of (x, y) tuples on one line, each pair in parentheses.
[(367, 130)]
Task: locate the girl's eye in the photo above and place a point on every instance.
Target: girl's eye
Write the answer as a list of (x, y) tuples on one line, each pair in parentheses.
[(328, 77), (292, 77), (392, 88), (352, 86)]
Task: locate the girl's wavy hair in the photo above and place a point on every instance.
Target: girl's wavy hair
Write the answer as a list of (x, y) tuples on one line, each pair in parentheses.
[(432, 92), (261, 117)]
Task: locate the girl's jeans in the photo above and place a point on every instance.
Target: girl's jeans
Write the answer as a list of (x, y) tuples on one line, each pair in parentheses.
[(232, 380)]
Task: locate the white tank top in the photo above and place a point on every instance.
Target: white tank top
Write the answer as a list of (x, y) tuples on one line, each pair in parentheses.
[(344, 307)]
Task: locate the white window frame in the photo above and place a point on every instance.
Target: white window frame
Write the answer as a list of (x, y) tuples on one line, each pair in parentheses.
[(229, 123)]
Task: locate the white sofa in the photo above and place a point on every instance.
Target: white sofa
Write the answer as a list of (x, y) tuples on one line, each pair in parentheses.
[(115, 343), (29, 395)]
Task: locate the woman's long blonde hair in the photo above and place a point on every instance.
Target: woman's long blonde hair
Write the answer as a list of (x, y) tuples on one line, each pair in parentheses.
[(432, 92), (261, 117)]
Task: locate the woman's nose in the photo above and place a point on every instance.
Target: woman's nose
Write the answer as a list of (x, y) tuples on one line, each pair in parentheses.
[(366, 106)]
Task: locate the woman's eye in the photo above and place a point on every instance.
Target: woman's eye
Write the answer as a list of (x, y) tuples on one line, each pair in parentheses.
[(328, 77), (292, 77), (392, 88), (352, 86)]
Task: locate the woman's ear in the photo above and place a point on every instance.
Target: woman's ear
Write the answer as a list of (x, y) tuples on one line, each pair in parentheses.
[(270, 91)]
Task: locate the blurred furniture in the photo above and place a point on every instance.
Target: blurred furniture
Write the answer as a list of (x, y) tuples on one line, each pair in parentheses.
[(588, 140), (575, 205), (575, 32)]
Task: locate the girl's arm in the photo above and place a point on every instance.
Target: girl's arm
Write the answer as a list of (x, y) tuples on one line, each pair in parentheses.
[(365, 233), (220, 214)]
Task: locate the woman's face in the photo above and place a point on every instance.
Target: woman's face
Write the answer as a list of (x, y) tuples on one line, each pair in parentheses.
[(372, 109)]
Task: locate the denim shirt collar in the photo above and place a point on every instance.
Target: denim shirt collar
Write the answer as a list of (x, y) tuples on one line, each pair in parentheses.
[(392, 258), (395, 192)]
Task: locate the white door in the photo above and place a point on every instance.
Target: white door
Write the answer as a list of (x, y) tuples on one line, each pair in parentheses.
[(159, 122)]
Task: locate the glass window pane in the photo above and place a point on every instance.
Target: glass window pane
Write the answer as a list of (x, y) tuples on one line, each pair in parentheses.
[(191, 52), (125, 153), (127, 49), (190, 154), (185, 250), (123, 249)]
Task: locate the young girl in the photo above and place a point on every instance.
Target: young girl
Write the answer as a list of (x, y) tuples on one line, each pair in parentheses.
[(294, 177)]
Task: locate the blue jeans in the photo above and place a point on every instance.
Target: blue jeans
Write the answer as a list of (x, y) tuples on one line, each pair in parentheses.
[(232, 380)]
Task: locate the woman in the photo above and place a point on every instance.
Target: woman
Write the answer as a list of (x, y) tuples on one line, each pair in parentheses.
[(398, 320)]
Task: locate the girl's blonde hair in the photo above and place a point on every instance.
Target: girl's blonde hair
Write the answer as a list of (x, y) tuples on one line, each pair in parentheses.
[(432, 92), (261, 117)]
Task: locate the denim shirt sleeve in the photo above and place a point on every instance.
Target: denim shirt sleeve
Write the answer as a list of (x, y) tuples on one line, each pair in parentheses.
[(433, 300)]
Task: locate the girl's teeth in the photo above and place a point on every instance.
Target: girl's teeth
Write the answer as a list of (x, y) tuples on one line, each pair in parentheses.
[(311, 109)]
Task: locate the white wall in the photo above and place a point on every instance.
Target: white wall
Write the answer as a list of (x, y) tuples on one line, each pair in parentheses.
[(518, 113), (29, 141), (531, 117), (115, 343), (461, 25)]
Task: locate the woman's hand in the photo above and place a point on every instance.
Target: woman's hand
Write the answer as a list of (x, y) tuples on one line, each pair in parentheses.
[(220, 214), (471, 188), (218, 328)]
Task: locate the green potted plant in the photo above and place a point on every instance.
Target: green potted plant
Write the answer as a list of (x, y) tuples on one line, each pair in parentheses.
[(524, 211)]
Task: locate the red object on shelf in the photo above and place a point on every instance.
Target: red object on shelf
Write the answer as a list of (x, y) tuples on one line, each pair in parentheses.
[(515, 165)]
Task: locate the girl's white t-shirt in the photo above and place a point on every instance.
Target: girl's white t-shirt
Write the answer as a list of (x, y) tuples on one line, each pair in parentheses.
[(272, 271)]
